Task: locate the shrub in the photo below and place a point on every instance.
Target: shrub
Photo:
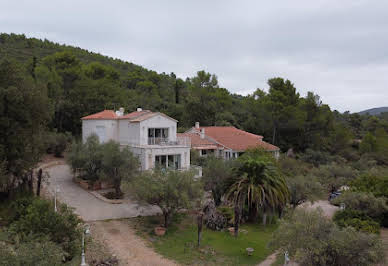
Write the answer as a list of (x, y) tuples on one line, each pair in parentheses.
[(372, 182), (334, 175), (364, 202), (40, 220), (316, 157), (216, 174), (87, 157), (170, 190), (312, 239), (57, 143), (40, 252), (196, 159), (356, 219), (303, 188)]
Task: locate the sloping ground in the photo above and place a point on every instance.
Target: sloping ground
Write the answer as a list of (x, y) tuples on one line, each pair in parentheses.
[(384, 238), (129, 248)]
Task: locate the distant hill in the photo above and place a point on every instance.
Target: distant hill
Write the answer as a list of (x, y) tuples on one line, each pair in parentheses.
[(23, 49), (374, 111)]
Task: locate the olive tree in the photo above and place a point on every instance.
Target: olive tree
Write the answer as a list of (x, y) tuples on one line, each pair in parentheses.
[(303, 188), (118, 165), (171, 190), (216, 174), (364, 202), (312, 239)]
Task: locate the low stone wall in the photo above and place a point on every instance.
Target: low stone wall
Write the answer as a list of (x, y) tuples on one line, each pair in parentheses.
[(101, 197)]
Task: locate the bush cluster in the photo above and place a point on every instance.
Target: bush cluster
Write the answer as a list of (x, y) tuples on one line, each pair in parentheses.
[(34, 219), (312, 239), (57, 143), (356, 219)]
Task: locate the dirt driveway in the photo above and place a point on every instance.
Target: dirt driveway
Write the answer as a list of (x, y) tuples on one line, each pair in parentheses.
[(327, 208), (122, 241), (88, 206)]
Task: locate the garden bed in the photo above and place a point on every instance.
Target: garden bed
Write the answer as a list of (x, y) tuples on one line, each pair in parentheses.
[(102, 195), (88, 185), (217, 247)]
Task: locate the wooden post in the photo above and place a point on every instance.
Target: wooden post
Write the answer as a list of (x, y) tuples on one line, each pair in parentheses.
[(39, 182), (199, 223), (236, 218)]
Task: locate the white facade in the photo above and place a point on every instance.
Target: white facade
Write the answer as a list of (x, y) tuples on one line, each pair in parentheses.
[(150, 136)]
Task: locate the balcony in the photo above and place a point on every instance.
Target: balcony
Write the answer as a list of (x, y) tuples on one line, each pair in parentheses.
[(180, 141)]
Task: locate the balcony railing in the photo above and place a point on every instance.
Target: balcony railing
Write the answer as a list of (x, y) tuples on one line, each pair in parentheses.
[(181, 141)]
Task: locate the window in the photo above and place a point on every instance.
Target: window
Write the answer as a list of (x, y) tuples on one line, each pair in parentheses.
[(168, 161), (100, 131), (157, 136)]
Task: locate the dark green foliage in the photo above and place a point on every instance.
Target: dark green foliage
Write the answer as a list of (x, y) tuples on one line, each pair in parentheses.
[(40, 252), (312, 239), (57, 143), (24, 112), (87, 158), (170, 190), (196, 159), (117, 165), (316, 157), (40, 220), (368, 143), (107, 161), (364, 202), (374, 183), (303, 188), (359, 220), (79, 83), (217, 173), (258, 184)]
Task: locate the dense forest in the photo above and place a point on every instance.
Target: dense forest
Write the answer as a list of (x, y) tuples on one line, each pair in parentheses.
[(77, 82)]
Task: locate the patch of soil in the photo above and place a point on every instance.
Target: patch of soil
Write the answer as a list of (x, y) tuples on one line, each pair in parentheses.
[(113, 195), (130, 249)]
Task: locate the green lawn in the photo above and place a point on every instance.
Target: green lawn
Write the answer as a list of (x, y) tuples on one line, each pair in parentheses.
[(217, 248)]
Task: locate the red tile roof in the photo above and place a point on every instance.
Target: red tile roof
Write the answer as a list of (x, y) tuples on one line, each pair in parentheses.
[(236, 139), (197, 142), (135, 114), (110, 114), (106, 114)]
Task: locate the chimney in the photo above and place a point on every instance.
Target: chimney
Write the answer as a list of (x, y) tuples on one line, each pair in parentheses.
[(139, 109), (197, 125), (121, 109), (202, 133)]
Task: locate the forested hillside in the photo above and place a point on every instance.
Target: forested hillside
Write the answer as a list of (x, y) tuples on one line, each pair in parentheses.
[(375, 111), (78, 82)]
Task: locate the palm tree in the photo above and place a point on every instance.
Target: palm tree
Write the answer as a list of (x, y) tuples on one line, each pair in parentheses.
[(258, 184)]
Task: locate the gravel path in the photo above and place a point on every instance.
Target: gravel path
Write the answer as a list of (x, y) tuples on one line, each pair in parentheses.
[(328, 209), (88, 206), (129, 248)]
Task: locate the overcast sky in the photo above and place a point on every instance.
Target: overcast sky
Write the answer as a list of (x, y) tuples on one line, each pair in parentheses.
[(336, 48)]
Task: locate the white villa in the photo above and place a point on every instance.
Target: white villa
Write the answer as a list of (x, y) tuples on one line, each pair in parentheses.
[(150, 135)]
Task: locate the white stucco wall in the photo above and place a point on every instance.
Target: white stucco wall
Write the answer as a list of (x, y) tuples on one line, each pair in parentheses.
[(158, 121), (147, 155), (90, 127), (129, 133)]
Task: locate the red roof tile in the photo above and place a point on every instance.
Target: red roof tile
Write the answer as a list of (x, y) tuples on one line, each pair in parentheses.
[(106, 114), (196, 140), (135, 114), (236, 139)]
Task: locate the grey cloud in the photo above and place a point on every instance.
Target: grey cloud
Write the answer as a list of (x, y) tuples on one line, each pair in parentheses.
[(335, 48)]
